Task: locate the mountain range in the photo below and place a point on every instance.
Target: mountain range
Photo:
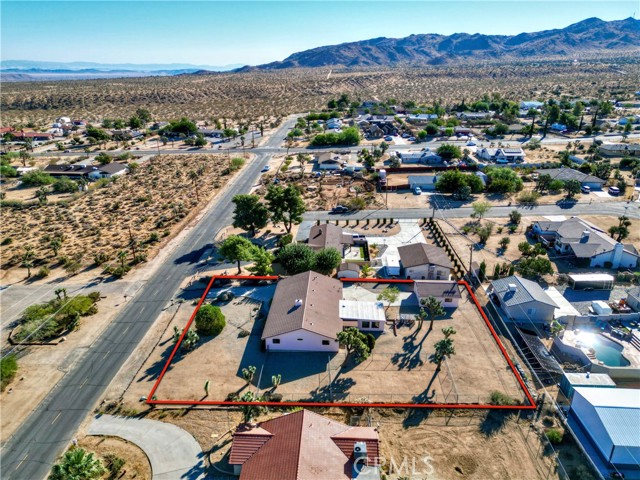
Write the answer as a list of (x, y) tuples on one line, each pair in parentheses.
[(586, 39)]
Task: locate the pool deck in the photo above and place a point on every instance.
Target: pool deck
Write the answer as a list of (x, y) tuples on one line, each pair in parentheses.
[(631, 353)]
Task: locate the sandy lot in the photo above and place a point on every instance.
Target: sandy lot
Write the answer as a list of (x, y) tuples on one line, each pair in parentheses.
[(137, 464), (399, 369)]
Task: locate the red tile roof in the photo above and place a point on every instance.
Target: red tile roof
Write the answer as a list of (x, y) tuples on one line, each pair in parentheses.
[(4, 130), (302, 446)]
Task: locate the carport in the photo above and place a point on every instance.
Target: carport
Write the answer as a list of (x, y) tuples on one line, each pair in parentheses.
[(592, 281)]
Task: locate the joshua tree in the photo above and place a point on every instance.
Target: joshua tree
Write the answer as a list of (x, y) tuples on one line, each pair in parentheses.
[(448, 331), (41, 194), (122, 256), (27, 259), (275, 380), (444, 348), (248, 373), (55, 245), (389, 295), (206, 388), (434, 309)]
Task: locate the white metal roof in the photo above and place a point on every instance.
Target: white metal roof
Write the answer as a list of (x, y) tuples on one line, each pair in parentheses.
[(564, 306), (592, 379), (354, 310), (606, 397), (591, 277)]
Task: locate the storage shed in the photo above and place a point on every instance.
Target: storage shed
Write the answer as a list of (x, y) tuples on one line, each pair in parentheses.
[(593, 281), (572, 380)]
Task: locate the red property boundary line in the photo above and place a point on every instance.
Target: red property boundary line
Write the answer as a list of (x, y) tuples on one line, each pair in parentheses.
[(448, 406)]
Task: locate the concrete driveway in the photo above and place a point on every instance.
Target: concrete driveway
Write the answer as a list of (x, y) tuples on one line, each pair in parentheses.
[(173, 453)]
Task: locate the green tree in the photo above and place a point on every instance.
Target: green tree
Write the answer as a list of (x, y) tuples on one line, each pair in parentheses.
[(296, 258), (480, 209), (622, 229), (77, 464), (355, 343), (515, 216), (448, 332), (209, 320), (327, 260), (534, 266), (443, 349), (389, 295), (448, 151), (556, 185), (143, 114), (55, 244), (285, 205), (434, 309), (452, 181), (28, 259), (572, 187), (104, 158), (504, 242), (36, 178), (236, 249), (543, 181), (250, 213), (262, 262), (503, 180), (184, 126), (135, 122)]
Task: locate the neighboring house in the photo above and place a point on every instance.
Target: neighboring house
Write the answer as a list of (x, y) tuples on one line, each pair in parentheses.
[(328, 161), (606, 422), (79, 123), (619, 149), (113, 169), (565, 174), (474, 115), (334, 123), (365, 316), (446, 292), (159, 125), (528, 105), (304, 314), (573, 380), (5, 130), (425, 157), (591, 246), (303, 446), (502, 155), (209, 132), (126, 134), (425, 262), (36, 136), (349, 270), (328, 235), (421, 118), (633, 298), (522, 300), (424, 182)]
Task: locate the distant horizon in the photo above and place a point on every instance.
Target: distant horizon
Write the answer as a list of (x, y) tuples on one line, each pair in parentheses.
[(221, 33)]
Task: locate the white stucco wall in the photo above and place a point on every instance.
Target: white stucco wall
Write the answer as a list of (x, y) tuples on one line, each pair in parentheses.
[(310, 342), (421, 272)]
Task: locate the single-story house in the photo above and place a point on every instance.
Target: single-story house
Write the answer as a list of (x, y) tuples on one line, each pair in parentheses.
[(82, 170), (424, 182), (608, 419), (365, 316), (445, 291), (474, 115), (425, 262), (502, 155), (304, 314), (210, 132), (349, 270), (633, 298), (305, 445), (522, 300), (36, 136), (329, 161), (426, 156), (5, 130), (619, 149), (591, 246), (528, 105), (334, 123), (565, 174), (421, 118), (113, 169), (328, 235)]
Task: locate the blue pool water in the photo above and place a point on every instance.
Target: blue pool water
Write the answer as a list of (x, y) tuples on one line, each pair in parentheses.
[(609, 352)]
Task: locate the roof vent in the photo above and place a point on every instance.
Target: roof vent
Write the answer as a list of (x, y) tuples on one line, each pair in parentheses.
[(513, 287), (298, 302), (585, 234)]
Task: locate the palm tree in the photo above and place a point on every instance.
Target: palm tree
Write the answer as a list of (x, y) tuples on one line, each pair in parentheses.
[(433, 308), (122, 256), (444, 348), (78, 464)]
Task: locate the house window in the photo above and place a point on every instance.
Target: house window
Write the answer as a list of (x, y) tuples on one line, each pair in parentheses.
[(448, 300), (276, 341), (366, 324), (325, 342), (531, 311), (299, 339), (375, 324)]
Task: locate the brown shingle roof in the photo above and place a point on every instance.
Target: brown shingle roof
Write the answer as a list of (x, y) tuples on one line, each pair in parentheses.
[(328, 235), (422, 254), (319, 310), (302, 446)]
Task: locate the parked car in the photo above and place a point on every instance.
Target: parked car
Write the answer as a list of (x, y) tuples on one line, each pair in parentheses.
[(339, 209), (388, 138), (412, 139), (614, 191), (417, 191), (585, 189), (405, 135), (266, 168)]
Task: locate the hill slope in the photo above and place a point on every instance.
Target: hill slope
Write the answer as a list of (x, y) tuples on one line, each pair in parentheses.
[(589, 37)]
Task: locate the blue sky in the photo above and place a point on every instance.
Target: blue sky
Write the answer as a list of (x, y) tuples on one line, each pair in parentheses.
[(253, 32)]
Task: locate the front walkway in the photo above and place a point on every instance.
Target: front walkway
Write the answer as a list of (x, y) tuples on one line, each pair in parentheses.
[(173, 453)]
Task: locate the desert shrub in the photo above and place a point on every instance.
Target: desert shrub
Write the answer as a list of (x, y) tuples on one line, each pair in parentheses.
[(65, 185), (8, 171), (296, 258), (285, 240), (114, 465), (100, 258), (77, 463), (554, 436), (94, 296), (43, 272), (370, 341), (529, 197), (37, 178), (236, 163), (209, 320), (6, 241), (499, 398), (358, 203), (327, 260), (8, 370)]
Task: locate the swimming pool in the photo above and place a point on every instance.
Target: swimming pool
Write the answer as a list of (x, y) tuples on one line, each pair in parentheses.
[(608, 352)]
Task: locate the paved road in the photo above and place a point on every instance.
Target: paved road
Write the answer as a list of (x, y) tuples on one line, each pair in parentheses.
[(632, 210), (30, 453), (172, 451)]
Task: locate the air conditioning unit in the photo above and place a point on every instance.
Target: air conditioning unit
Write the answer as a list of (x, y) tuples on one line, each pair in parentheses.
[(513, 287), (360, 450)]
